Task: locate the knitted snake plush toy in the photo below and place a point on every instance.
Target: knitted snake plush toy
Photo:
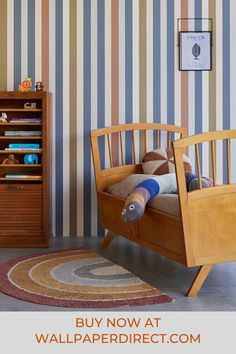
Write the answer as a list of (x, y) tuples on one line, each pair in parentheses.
[(139, 197)]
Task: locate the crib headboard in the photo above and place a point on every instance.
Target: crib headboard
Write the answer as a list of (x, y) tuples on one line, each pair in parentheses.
[(119, 160)]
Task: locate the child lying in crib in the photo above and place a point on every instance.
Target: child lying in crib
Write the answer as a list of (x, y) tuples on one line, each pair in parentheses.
[(136, 202)]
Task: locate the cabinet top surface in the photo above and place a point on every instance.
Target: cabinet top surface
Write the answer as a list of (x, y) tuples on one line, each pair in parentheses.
[(23, 95)]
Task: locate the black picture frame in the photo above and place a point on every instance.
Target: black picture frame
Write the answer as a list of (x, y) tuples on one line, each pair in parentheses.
[(197, 37)]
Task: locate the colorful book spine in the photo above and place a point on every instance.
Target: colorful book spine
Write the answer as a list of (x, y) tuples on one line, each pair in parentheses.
[(23, 133), (23, 176), (23, 146)]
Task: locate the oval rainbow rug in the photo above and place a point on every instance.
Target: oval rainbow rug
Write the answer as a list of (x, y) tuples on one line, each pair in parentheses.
[(75, 278)]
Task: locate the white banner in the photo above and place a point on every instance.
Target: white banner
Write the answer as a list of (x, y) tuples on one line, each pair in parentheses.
[(114, 332)]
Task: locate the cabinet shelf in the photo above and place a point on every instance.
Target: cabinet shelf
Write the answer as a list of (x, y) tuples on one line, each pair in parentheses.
[(20, 152), (20, 137), (21, 179), (20, 123), (20, 165), (20, 110)]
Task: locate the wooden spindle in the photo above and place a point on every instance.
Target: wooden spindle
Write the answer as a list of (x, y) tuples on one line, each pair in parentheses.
[(133, 147), (145, 141), (228, 159), (109, 149), (198, 167), (121, 148), (157, 139), (168, 140), (213, 165)]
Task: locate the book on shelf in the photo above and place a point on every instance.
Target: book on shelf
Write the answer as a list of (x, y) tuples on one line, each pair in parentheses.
[(22, 176), (22, 133), (23, 146), (26, 120), (23, 149)]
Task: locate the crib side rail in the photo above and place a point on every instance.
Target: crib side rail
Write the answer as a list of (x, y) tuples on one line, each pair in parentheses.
[(116, 165), (208, 215)]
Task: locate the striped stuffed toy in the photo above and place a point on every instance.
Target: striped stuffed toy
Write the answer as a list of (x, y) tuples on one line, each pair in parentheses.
[(139, 197)]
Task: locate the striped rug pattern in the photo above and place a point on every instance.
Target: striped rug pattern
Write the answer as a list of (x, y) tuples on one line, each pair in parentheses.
[(75, 278), (109, 62)]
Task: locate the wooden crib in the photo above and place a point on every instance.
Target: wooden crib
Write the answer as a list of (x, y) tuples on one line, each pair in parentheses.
[(204, 233)]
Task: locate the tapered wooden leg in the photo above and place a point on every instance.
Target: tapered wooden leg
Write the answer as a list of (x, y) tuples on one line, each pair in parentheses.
[(107, 240), (199, 280)]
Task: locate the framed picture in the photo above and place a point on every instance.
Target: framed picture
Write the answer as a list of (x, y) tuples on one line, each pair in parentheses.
[(195, 51)]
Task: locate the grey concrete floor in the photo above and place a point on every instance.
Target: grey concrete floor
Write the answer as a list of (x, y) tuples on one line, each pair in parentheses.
[(218, 292)]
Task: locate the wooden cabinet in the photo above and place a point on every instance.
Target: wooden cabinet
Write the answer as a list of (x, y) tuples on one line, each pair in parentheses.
[(24, 177)]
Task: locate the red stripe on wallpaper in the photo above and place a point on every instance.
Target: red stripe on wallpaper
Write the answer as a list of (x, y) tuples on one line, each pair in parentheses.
[(45, 43), (184, 74)]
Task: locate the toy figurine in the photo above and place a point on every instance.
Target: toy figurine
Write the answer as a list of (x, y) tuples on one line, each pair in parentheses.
[(10, 160), (29, 105), (39, 86), (26, 85), (3, 118)]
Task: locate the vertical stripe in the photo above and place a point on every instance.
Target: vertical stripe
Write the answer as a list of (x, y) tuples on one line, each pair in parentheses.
[(52, 86), (142, 69), (87, 116), (39, 41), (170, 62), (198, 80), (163, 78), (135, 71), (68, 117), (73, 118), (177, 73), (45, 43), (115, 76), (226, 75), (205, 100), (156, 61), (59, 117), (108, 68), (101, 80), (94, 104), (10, 44), (24, 39), (80, 120), (149, 69), (233, 85), (191, 88), (3, 45), (31, 41), (184, 74), (128, 75), (219, 90), (122, 62), (17, 43)]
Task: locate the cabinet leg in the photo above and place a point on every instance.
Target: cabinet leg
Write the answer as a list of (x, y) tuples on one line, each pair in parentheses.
[(199, 279), (107, 240)]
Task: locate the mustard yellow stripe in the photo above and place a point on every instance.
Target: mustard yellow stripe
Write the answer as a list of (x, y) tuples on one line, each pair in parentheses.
[(142, 70), (3, 45), (73, 118)]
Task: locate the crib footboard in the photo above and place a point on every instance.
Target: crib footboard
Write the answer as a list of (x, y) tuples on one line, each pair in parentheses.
[(208, 215)]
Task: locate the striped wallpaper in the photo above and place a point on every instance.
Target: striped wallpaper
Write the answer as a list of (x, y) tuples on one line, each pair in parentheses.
[(109, 62)]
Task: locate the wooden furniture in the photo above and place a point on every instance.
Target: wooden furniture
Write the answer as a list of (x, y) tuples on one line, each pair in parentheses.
[(24, 202), (204, 233)]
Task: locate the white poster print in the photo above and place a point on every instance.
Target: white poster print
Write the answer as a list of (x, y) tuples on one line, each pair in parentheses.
[(195, 50)]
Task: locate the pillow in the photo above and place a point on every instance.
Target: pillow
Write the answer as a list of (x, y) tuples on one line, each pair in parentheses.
[(161, 162)]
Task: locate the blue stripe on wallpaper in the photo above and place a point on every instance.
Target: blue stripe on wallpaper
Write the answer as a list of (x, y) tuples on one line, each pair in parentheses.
[(31, 41), (170, 62), (87, 117), (156, 64), (101, 81), (198, 80), (128, 77), (226, 75), (17, 43), (59, 117)]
